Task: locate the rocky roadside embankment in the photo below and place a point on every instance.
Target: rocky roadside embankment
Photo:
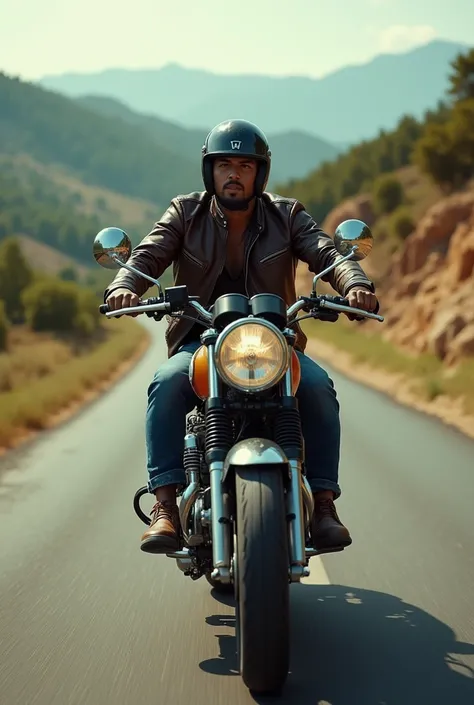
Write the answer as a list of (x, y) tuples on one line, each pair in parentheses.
[(427, 296)]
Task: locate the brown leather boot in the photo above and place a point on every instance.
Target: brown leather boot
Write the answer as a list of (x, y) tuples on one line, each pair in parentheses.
[(162, 534), (327, 530)]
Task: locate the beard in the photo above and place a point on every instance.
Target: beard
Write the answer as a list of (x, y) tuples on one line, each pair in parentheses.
[(234, 204)]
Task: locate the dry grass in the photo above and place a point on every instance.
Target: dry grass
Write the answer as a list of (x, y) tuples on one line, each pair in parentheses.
[(421, 192), (31, 356), (46, 259), (41, 376), (429, 376)]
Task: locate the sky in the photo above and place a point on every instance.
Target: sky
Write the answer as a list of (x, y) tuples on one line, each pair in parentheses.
[(303, 37)]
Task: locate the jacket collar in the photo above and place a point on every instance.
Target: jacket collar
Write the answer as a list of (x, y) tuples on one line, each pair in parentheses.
[(220, 218)]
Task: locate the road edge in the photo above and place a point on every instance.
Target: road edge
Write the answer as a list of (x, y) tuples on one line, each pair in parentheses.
[(68, 412), (396, 386)]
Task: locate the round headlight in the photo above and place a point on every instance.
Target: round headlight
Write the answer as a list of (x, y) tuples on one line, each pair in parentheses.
[(251, 356)]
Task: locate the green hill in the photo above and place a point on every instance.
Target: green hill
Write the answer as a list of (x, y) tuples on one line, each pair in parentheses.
[(103, 143), (102, 152), (294, 152), (52, 206)]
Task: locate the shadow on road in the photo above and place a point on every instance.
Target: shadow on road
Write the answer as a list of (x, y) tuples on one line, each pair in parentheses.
[(361, 647)]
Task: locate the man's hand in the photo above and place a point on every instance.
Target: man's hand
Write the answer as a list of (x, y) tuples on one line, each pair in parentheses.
[(123, 298), (361, 297)]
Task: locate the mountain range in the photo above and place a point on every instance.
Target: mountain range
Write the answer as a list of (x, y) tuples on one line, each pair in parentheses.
[(103, 143), (70, 164), (294, 153), (119, 151), (342, 108)]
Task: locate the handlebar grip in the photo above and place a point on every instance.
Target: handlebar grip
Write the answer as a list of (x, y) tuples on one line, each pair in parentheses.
[(104, 308)]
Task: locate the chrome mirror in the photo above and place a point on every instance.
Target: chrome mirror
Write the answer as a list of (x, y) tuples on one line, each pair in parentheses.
[(353, 233), (112, 248)]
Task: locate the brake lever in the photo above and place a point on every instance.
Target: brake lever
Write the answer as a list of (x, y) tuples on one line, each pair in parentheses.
[(314, 310)]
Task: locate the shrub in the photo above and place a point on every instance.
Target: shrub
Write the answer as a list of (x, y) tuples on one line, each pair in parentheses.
[(4, 327), (401, 223), (387, 194), (51, 306)]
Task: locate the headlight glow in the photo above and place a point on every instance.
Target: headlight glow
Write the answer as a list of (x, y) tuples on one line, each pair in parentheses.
[(252, 356)]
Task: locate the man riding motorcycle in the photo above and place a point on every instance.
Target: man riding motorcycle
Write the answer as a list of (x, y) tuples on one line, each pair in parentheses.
[(236, 238)]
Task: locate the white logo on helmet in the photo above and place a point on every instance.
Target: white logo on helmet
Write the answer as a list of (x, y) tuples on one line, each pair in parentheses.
[(235, 144)]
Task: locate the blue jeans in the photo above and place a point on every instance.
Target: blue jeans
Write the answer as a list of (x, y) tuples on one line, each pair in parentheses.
[(171, 397)]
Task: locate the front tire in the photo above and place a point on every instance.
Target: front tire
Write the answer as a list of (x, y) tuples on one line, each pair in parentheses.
[(262, 581)]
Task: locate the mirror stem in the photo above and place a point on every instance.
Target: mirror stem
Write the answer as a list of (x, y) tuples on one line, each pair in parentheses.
[(330, 268), (136, 271)]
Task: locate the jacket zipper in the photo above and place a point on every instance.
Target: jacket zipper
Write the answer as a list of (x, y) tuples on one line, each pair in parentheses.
[(193, 258), (248, 257), (274, 255), (225, 249)]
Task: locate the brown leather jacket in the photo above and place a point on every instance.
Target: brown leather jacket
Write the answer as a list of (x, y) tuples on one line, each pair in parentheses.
[(192, 235)]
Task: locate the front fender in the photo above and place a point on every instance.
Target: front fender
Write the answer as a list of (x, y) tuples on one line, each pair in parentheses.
[(255, 452)]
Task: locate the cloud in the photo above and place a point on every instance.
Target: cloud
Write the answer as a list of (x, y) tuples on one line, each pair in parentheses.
[(401, 37)]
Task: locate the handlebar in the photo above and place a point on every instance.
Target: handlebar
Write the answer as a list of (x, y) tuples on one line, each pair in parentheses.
[(343, 306), (156, 305), (153, 305)]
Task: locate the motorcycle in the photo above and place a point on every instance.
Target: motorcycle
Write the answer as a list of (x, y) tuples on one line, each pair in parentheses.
[(245, 510)]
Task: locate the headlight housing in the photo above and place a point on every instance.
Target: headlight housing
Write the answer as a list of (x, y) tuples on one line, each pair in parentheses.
[(251, 355)]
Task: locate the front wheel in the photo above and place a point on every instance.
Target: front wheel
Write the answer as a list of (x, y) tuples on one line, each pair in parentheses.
[(262, 579)]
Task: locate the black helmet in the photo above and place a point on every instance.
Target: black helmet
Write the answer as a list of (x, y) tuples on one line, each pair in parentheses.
[(236, 138)]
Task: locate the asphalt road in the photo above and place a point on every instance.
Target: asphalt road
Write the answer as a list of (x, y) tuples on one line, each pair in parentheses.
[(86, 618)]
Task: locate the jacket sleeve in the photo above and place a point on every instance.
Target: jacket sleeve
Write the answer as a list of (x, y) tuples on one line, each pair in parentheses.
[(154, 254), (313, 246)]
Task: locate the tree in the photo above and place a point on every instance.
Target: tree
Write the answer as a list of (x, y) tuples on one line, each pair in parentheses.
[(446, 151), (59, 306), (3, 328), (355, 170), (461, 135), (409, 130), (51, 305), (15, 276), (462, 78)]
